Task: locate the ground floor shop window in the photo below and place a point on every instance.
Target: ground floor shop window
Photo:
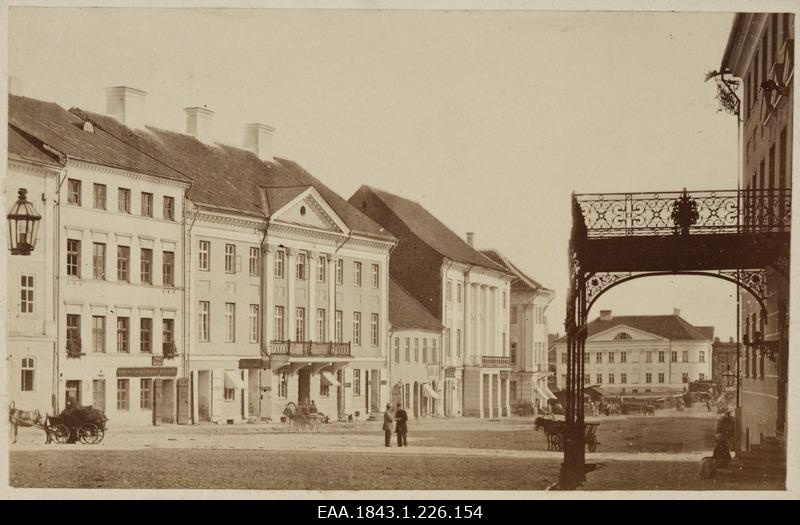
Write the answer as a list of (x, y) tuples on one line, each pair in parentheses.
[(27, 373), (122, 394), (146, 393)]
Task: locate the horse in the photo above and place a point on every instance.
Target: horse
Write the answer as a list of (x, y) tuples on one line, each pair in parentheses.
[(649, 409), (25, 418), (552, 430)]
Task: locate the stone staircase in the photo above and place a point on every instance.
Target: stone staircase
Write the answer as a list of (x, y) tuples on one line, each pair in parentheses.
[(765, 462)]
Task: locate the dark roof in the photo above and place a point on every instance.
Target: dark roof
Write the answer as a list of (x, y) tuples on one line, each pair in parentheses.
[(231, 178), (405, 312), (523, 282), (63, 131), (23, 146), (672, 327), (551, 339), (707, 331), (427, 228)]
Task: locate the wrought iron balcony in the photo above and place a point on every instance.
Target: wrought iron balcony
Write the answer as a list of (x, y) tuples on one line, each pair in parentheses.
[(309, 349), (74, 349), (682, 212), (170, 351), (495, 361)]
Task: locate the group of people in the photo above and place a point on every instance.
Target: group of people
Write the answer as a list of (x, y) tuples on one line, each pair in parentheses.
[(602, 407), (305, 407), (396, 421)]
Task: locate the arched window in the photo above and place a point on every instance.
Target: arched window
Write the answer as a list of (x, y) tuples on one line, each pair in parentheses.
[(622, 336), (27, 374)]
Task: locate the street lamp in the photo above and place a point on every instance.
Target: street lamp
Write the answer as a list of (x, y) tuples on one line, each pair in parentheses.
[(23, 222)]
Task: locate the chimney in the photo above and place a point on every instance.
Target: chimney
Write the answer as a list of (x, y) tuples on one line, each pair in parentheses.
[(676, 312), (716, 339), (126, 104), (198, 123), (471, 239), (258, 139), (15, 85), (605, 315), (730, 339)]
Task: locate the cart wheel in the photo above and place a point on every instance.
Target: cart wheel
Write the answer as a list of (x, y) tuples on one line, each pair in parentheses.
[(60, 433), (89, 434), (592, 445)]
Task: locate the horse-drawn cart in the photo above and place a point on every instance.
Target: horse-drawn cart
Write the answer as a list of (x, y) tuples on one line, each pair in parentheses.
[(84, 424), (554, 430)]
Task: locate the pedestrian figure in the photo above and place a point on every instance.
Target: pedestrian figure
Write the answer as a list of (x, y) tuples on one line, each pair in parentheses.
[(313, 408), (388, 424), (401, 417)]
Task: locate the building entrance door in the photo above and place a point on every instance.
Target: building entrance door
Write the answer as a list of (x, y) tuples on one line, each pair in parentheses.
[(73, 392), (99, 394), (304, 385)]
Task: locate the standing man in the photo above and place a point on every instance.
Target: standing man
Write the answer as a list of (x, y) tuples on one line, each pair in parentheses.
[(401, 428), (388, 420)]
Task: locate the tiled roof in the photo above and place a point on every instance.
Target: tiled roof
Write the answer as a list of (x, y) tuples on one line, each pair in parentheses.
[(429, 229), (405, 312), (63, 131), (523, 282), (227, 177), (23, 146), (277, 198), (672, 327)]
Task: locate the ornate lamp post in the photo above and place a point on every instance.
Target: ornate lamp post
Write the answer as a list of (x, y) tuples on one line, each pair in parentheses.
[(23, 223)]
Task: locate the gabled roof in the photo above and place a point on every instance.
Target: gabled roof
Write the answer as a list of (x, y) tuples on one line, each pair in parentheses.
[(230, 178), (405, 312), (672, 327), (23, 146), (277, 198), (63, 131), (427, 228), (523, 282)]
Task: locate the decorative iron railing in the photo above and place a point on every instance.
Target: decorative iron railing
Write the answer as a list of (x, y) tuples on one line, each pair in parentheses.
[(74, 348), (494, 361), (309, 349), (682, 212), (169, 349)]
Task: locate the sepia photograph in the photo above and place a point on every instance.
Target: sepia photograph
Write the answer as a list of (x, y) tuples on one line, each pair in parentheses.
[(438, 251)]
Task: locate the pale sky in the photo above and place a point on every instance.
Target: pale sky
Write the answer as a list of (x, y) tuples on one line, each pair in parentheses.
[(488, 119)]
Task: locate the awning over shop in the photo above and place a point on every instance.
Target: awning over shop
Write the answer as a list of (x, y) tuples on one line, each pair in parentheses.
[(428, 391), (329, 378), (232, 380)]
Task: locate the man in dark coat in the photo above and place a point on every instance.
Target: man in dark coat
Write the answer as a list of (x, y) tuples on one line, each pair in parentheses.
[(401, 427), (388, 423)]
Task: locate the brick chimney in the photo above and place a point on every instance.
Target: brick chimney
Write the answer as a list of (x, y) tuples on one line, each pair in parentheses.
[(126, 104), (258, 139), (471, 239), (676, 312), (199, 123), (605, 315)]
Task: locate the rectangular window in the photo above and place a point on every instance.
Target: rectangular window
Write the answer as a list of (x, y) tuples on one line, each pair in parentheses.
[(661, 377), (73, 333), (356, 328), (416, 350), (586, 379), (357, 273), (702, 357), (230, 258), (610, 379), (300, 324), (611, 357), (124, 200), (322, 262), (122, 394), (434, 356), (599, 379), (339, 326), (685, 377), (279, 262), (169, 208), (685, 356), (408, 349), (321, 324), (146, 393), (99, 194), (425, 350), (255, 259), (458, 342), (674, 356), (230, 322), (168, 336), (396, 349), (324, 389), (123, 335), (168, 268), (563, 358), (449, 291), (648, 377), (339, 271), (278, 324), (598, 357), (229, 394), (301, 266), (661, 356), (146, 335), (26, 294), (98, 333), (147, 266), (356, 382), (204, 256), (74, 257), (648, 357), (373, 329), (623, 378), (27, 374), (623, 357), (99, 260), (203, 322), (447, 342), (513, 353), (376, 271), (459, 293), (513, 315), (74, 192), (147, 204), (254, 323), (283, 385)]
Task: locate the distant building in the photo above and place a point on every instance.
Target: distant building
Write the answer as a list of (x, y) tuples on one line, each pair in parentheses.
[(415, 337), (639, 354), (465, 290), (723, 362), (529, 300), (552, 362)]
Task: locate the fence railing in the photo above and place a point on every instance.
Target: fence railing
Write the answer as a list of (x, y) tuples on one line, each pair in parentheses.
[(309, 348), (682, 212)]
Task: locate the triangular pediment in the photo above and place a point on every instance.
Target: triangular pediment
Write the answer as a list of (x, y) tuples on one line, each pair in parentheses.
[(622, 333), (303, 207)]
